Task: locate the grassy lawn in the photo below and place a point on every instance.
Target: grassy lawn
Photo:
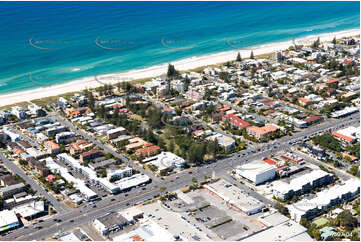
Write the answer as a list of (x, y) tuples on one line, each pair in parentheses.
[(320, 222), (15, 104)]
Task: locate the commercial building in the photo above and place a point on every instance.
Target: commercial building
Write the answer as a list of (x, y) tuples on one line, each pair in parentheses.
[(9, 191), (287, 230), (166, 160), (324, 200), (257, 172), (302, 184), (8, 220), (110, 222), (148, 231), (78, 184), (348, 135), (133, 181), (31, 210), (88, 172), (235, 197), (344, 112)]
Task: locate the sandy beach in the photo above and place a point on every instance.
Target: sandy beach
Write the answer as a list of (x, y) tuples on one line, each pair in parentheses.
[(185, 64)]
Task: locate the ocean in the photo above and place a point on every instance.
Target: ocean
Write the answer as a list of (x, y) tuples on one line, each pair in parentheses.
[(46, 43)]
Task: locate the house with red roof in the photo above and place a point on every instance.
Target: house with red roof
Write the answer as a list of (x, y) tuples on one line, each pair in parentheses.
[(304, 101), (333, 81)]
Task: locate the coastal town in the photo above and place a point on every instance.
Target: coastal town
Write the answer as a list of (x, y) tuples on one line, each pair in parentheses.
[(265, 147)]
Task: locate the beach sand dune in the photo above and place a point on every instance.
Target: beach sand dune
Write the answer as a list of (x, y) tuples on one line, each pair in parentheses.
[(185, 64)]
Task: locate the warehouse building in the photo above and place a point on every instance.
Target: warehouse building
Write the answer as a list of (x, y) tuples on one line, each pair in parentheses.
[(110, 222), (256, 172), (235, 197)]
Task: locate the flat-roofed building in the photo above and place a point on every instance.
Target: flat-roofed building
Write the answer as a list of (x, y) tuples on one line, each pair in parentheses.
[(256, 171), (348, 135), (37, 154), (110, 222), (119, 173), (235, 197), (324, 200), (302, 184), (344, 112), (31, 210), (91, 154), (9, 191), (286, 231), (8, 220), (115, 133)]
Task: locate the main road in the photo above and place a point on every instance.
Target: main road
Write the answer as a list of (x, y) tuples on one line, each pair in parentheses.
[(84, 215)]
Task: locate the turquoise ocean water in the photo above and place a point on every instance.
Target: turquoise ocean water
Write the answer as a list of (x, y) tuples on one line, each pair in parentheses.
[(44, 43)]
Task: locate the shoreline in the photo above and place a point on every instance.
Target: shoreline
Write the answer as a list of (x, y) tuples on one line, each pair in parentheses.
[(157, 70)]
